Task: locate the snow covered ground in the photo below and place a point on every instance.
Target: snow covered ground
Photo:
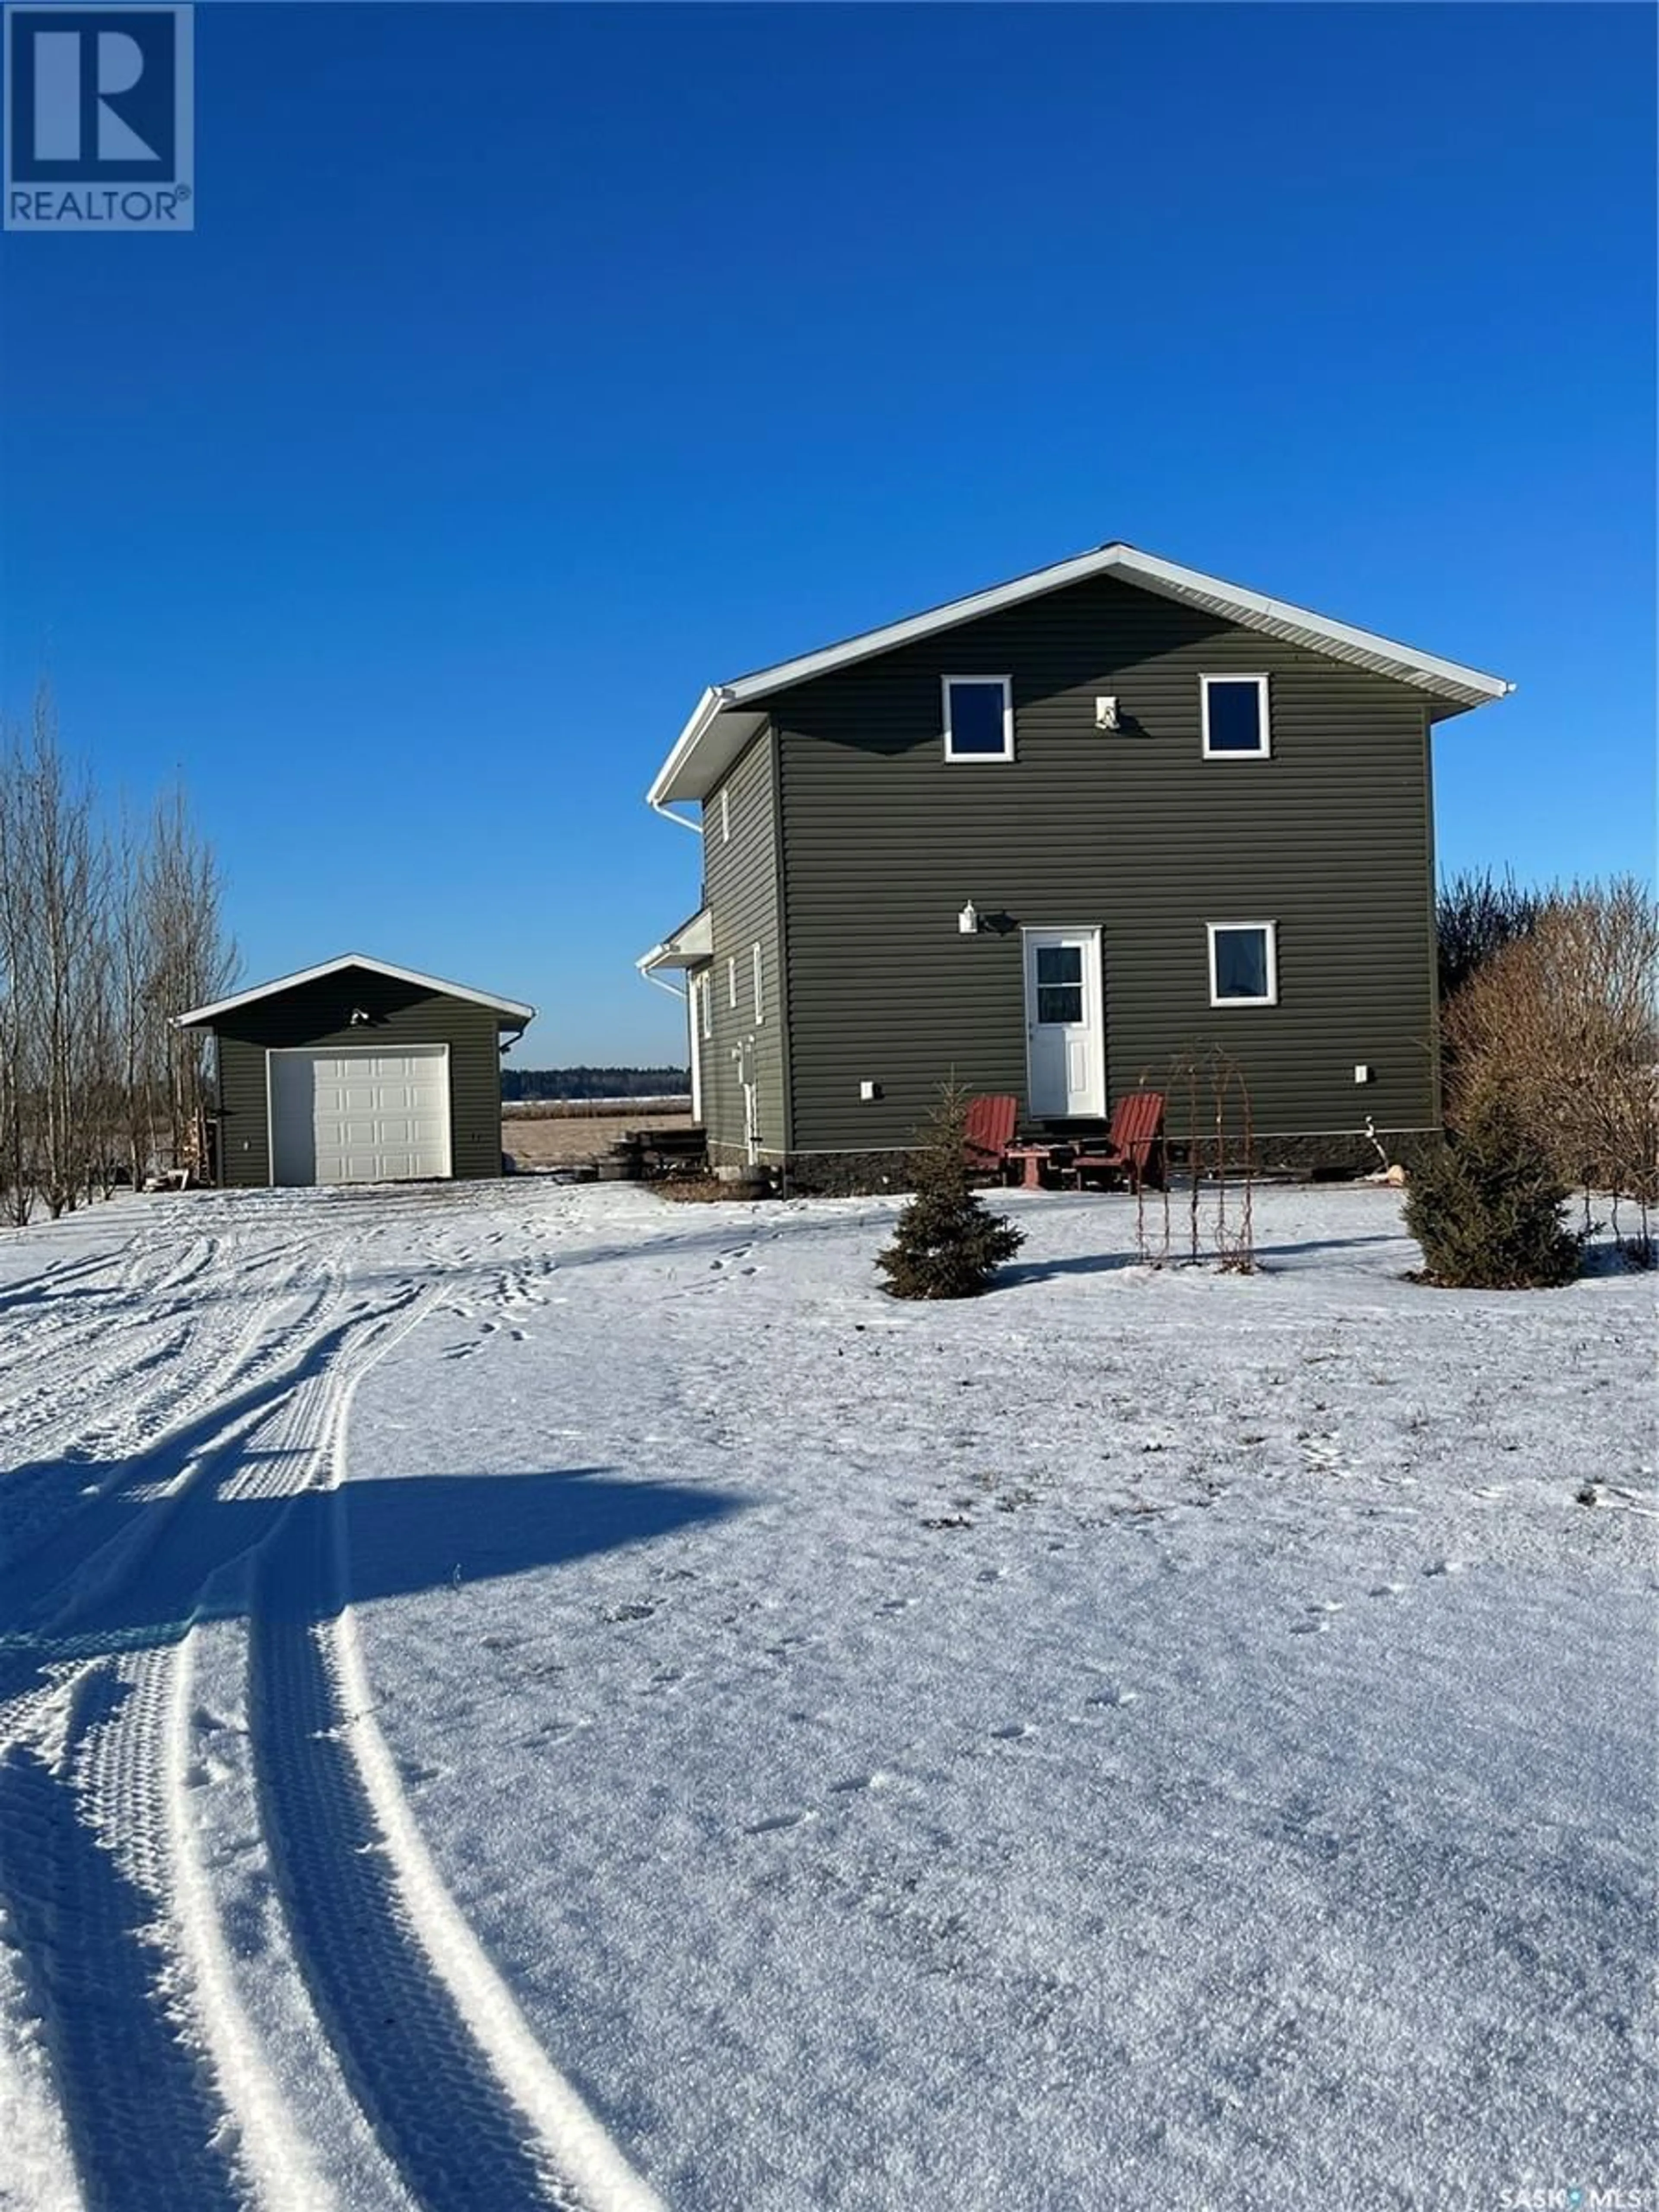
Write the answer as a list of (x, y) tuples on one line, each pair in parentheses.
[(516, 1695)]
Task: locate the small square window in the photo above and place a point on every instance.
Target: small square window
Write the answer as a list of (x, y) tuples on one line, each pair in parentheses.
[(1235, 710), (1244, 963), (979, 717)]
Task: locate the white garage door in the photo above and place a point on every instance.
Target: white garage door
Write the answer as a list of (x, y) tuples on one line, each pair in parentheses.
[(360, 1114)]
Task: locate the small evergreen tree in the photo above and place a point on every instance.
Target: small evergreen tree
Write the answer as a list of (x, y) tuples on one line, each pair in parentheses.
[(1487, 1208), (946, 1244)]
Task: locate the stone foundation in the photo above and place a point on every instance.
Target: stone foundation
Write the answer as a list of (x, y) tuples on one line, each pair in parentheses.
[(1339, 1157), (847, 1175)]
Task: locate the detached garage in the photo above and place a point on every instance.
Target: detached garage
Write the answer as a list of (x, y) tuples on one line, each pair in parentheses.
[(358, 1072)]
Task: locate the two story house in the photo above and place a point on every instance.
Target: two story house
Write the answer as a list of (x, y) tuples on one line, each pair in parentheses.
[(1054, 838)]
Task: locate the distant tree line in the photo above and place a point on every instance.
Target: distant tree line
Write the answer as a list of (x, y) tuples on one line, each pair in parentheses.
[(519, 1082), (108, 925)]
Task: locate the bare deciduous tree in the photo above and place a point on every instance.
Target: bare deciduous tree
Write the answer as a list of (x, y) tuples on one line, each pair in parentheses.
[(103, 936)]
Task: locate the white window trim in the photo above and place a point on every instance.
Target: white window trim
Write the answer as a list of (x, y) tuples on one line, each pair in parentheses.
[(760, 1009), (731, 981), (1265, 750), (964, 759), (725, 814), (1270, 931)]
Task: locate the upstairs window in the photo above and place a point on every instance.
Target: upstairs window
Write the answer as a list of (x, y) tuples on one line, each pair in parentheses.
[(979, 717), (760, 1008), (1244, 963), (1235, 710), (731, 979)]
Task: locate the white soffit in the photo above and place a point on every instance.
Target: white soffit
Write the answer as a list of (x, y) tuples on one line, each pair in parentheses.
[(688, 946)]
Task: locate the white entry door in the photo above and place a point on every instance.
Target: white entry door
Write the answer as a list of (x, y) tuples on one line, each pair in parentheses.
[(360, 1114), (1065, 1056)]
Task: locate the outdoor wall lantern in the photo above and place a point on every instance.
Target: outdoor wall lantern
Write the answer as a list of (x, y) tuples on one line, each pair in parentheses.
[(972, 923), (360, 1015)]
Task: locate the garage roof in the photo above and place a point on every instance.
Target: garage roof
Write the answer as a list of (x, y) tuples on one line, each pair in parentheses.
[(725, 717), (510, 1010)]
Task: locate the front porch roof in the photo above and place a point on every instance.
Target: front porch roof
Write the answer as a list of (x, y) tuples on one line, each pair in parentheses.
[(689, 946), (726, 718)]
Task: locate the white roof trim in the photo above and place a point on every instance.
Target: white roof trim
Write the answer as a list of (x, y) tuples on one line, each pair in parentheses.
[(718, 729), (688, 946), (515, 1008)]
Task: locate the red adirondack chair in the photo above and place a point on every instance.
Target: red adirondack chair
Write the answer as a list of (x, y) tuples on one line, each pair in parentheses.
[(988, 1132), (1134, 1147)]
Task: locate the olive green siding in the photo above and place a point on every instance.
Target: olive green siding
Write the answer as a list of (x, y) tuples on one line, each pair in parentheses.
[(319, 1013), (1133, 832), (741, 890)]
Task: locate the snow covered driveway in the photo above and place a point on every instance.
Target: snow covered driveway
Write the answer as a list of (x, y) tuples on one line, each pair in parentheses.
[(730, 1741)]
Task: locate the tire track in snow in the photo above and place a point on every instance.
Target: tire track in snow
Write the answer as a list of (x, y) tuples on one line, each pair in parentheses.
[(105, 1884), (105, 1901), (458, 2092)]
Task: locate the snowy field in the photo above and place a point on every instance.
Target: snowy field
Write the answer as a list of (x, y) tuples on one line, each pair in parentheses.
[(518, 1696)]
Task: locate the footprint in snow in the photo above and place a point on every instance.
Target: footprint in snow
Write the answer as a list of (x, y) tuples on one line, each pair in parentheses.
[(1390, 1589), (852, 1783), (778, 1822), (1016, 1732), (1111, 1698), (1447, 1567)]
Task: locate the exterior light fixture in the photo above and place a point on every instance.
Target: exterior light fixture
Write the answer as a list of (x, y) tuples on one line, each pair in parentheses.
[(359, 1017), (968, 919)]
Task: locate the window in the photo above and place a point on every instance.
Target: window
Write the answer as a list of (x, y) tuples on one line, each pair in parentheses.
[(979, 717), (1234, 709), (1244, 963), (706, 997), (759, 1015), (731, 981), (1060, 982), (726, 816)]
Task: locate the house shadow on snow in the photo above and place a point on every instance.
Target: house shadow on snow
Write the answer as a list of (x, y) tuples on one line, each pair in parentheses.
[(149, 1582)]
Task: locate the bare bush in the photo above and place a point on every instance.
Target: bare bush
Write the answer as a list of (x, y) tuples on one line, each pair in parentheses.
[(1563, 1026), (1476, 916)]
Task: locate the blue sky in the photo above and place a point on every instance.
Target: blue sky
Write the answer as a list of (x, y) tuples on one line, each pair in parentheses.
[(533, 366)]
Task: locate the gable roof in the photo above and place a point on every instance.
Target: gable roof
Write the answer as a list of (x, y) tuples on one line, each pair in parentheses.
[(725, 720), (511, 1010)]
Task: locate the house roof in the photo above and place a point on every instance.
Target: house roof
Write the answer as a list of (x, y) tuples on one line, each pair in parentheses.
[(725, 719), (688, 946), (511, 1011)]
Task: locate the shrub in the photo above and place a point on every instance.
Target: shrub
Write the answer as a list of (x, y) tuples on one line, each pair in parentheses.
[(1486, 1208), (946, 1244), (1561, 1026)]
